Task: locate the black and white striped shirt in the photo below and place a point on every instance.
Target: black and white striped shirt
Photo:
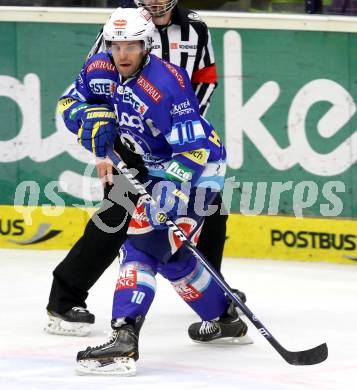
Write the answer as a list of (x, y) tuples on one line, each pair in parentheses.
[(185, 42)]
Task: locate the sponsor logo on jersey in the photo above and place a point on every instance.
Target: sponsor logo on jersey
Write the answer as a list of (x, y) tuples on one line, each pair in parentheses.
[(139, 222), (315, 240), (130, 97), (101, 65), (187, 292), (63, 104), (102, 86), (183, 108), (127, 279), (176, 73), (149, 89), (73, 113), (173, 45), (120, 23), (193, 47), (198, 156), (179, 172), (131, 121)]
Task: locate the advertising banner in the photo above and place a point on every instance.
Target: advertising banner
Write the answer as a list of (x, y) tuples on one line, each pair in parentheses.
[(285, 106)]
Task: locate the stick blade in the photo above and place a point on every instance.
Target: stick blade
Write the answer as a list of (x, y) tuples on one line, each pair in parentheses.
[(306, 358)]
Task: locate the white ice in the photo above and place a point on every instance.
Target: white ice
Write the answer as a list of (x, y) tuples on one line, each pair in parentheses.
[(302, 304)]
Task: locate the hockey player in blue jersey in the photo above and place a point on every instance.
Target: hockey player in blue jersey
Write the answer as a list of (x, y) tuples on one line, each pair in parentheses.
[(150, 105)]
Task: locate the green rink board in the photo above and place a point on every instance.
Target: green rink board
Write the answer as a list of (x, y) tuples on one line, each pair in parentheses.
[(288, 99)]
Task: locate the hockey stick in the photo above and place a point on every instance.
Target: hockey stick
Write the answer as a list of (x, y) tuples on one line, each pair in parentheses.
[(311, 356)]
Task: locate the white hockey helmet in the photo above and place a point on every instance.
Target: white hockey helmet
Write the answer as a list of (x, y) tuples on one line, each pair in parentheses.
[(129, 24), (157, 7)]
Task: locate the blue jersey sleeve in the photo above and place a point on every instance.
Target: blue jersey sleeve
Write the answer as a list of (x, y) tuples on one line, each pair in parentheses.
[(93, 86), (185, 131), (183, 128)]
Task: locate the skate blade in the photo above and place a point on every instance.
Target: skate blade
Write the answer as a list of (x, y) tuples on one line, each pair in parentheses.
[(121, 366), (243, 340), (64, 328)]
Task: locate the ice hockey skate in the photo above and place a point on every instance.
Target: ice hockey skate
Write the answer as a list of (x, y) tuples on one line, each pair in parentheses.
[(242, 297), (115, 357), (227, 329), (75, 322)]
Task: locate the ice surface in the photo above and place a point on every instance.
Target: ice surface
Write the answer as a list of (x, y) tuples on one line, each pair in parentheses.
[(302, 304)]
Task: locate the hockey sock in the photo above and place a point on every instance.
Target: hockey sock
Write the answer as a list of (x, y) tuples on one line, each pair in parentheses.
[(198, 289), (135, 290)]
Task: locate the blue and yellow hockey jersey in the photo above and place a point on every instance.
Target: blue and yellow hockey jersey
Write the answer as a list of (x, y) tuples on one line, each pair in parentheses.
[(158, 117)]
